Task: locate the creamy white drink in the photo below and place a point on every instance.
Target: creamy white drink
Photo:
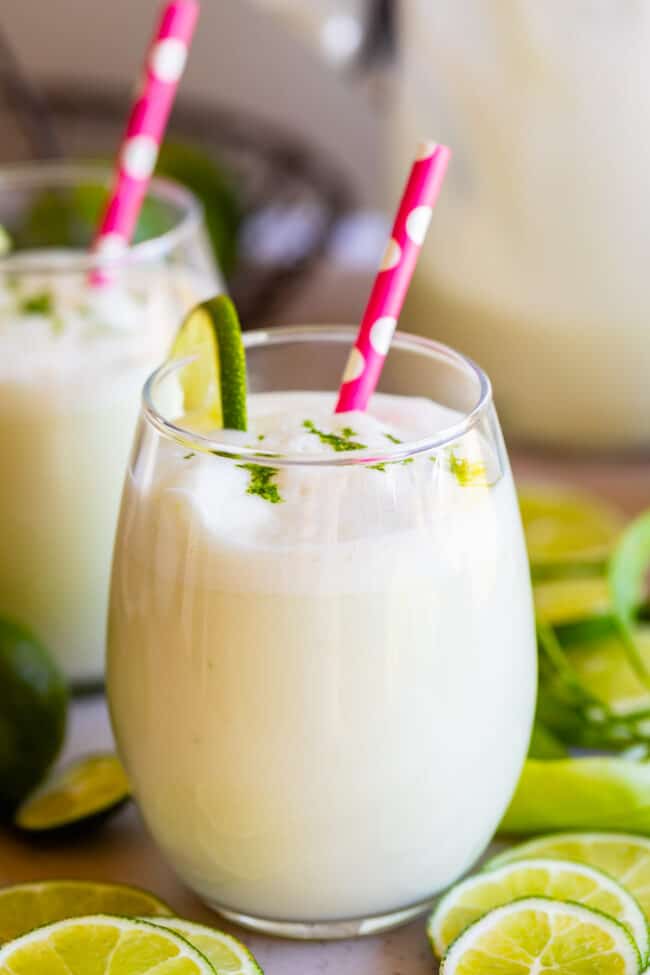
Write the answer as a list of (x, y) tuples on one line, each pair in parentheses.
[(72, 362), (321, 678)]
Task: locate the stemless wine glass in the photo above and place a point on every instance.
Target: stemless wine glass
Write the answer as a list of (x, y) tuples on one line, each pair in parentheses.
[(322, 667), (74, 357)]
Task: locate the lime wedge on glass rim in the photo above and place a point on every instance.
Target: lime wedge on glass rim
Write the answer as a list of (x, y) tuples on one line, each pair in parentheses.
[(83, 792), (102, 944), (537, 934), (213, 380), (226, 954), (558, 879), (567, 528), (24, 907)]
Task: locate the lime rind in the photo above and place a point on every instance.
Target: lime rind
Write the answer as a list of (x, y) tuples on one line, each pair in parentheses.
[(39, 938), (544, 873), (623, 856), (213, 378), (209, 941), (624, 948), (24, 907)]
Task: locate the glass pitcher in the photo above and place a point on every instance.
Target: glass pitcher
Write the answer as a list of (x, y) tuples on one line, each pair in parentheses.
[(537, 259)]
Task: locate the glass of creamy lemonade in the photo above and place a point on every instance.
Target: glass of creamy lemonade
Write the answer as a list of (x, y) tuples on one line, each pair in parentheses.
[(321, 662), (73, 358)]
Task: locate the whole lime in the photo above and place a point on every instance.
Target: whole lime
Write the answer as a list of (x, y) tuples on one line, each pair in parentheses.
[(33, 710)]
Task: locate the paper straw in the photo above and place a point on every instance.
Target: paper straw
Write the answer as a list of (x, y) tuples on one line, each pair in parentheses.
[(369, 352), (145, 129)]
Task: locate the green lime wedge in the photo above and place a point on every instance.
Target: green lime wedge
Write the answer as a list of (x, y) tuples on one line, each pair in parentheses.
[(24, 907), (559, 879), (214, 379), (102, 945), (33, 709), (226, 954), (559, 602), (604, 669), (567, 527), (79, 794), (540, 935), (623, 856)]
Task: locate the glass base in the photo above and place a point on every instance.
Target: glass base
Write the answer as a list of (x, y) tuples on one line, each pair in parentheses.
[(324, 930)]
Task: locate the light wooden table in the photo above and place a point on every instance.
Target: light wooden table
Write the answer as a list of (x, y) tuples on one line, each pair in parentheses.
[(122, 851)]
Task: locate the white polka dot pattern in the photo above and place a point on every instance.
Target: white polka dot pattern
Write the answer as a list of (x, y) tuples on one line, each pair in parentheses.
[(139, 155), (381, 334), (167, 61), (355, 366), (417, 224), (152, 102), (392, 255), (111, 245)]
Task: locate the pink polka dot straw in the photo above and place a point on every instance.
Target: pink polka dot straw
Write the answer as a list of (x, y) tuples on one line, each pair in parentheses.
[(146, 127), (367, 357)]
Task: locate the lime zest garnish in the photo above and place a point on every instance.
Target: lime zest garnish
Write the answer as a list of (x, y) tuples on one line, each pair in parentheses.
[(338, 442), (40, 303), (468, 473), (389, 436), (261, 482), (6, 243)]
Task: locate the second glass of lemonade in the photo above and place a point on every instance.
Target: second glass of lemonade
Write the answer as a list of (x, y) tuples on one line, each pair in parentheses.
[(322, 662), (73, 357)]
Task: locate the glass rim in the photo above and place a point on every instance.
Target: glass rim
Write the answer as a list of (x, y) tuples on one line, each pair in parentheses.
[(55, 174), (343, 334)]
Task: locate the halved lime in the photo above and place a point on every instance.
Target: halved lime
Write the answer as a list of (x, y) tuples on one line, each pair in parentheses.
[(623, 856), (24, 907), (603, 666), (558, 879), (78, 794), (102, 945), (33, 709), (559, 602), (567, 527), (214, 379), (227, 955), (539, 935)]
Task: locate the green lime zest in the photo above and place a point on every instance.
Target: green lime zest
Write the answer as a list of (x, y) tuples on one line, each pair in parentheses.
[(338, 442), (261, 482), (40, 303), (468, 473)]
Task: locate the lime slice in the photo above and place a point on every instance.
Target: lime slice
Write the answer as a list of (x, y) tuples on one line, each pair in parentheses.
[(28, 906), (604, 669), (80, 793), (214, 380), (539, 935), (227, 955), (558, 879), (567, 527), (33, 708), (562, 601), (623, 856), (101, 944)]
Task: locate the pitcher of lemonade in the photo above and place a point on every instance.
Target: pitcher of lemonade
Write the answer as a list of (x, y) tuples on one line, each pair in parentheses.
[(539, 261)]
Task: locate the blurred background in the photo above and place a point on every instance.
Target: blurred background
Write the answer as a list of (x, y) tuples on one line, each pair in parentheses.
[(296, 124)]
